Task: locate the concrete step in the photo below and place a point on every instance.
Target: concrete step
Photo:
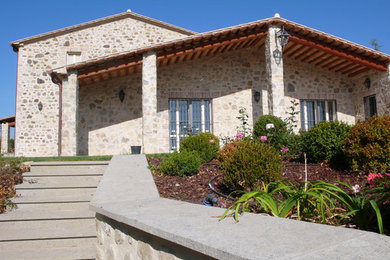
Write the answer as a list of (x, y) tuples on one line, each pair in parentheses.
[(47, 229), (54, 182), (79, 248), (68, 168), (48, 211), (54, 195)]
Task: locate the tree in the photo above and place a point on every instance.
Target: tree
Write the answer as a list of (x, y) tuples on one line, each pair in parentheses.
[(375, 44)]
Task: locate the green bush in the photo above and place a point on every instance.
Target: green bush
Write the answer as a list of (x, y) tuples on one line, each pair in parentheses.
[(324, 142), (181, 164), (278, 136), (247, 164), (368, 145), (206, 144)]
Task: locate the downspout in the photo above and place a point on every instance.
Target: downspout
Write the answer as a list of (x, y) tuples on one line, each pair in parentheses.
[(56, 80), (16, 49)]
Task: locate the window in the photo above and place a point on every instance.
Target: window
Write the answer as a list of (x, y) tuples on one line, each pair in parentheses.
[(73, 57), (315, 111), (370, 106), (188, 116)]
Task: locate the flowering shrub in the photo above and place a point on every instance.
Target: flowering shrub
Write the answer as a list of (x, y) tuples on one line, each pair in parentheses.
[(182, 164), (206, 144), (368, 145), (324, 142), (246, 164), (272, 128)]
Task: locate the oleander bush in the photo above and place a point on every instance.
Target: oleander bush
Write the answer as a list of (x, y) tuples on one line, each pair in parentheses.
[(185, 163), (206, 144), (247, 164), (368, 145), (278, 135), (325, 142)]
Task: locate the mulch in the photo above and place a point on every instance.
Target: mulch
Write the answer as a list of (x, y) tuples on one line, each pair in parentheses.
[(195, 188)]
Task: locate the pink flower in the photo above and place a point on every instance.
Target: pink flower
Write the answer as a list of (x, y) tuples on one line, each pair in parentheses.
[(239, 135), (284, 150), (371, 178), (211, 140), (263, 138), (356, 188)]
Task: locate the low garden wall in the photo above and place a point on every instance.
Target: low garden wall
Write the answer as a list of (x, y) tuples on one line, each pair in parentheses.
[(133, 222)]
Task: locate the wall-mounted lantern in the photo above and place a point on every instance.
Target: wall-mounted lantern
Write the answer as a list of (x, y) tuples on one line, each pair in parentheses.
[(283, 36), (40, 106), (367, 83), (257, 96), (121, 95)]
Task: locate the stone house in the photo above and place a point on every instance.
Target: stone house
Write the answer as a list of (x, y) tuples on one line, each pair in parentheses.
[(128, 80)]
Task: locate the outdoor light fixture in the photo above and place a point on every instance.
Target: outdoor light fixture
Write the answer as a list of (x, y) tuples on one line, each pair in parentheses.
[(367, 83), (121, 95), (277, 56), (257, 96), (40, 106), (283, 36)]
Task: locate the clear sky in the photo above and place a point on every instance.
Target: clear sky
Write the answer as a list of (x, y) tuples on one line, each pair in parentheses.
[(355, 20)]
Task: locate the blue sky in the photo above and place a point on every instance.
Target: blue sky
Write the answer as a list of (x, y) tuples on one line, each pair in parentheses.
[(358, 21)]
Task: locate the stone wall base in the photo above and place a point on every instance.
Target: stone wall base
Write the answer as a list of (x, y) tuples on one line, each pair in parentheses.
[(116, 240)]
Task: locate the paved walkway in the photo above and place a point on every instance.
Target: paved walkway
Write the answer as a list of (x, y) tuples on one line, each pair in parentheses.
[(52, 219)]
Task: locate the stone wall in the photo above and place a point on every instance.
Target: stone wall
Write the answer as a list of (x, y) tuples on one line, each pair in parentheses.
[(116, 240), (107, 125), (305, 81), (37, 131), (380, 87), (228, 79)]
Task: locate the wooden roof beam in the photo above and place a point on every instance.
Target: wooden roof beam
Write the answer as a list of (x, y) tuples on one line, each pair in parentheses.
[(338, 53), (324, 60), (339, 65), (331, 63), (305, 54), (358, 72)]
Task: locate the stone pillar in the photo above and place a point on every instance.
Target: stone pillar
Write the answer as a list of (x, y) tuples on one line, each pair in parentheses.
[(4, 138), (274, 66), (149, 103), (70, 107)]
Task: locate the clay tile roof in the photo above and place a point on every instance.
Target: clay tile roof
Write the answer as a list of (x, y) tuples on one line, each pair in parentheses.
[(8, 119), (16, 44), (298, 33)]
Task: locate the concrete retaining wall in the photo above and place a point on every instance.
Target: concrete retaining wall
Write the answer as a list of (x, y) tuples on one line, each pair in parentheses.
[(133, 222)]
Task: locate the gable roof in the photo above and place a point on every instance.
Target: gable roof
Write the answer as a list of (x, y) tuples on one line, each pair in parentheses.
[(306, 45), (127, 14)]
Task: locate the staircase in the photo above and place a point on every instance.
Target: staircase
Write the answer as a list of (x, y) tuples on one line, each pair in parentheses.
[(52, 219)]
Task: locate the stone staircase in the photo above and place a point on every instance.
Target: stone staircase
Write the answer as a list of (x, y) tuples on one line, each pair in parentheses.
[(52, 219)]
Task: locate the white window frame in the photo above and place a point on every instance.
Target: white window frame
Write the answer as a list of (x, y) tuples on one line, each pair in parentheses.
[(303, 104), (177, 133), (73, 57)]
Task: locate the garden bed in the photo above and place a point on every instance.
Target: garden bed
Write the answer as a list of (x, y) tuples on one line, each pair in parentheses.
[(8, 179), (195, 188)]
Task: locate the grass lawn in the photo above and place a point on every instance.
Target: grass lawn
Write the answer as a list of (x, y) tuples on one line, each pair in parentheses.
[(60, 158)]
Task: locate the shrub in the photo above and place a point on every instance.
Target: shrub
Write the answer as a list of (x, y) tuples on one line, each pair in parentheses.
[(247, 164), (277, 136), (368, 145), (324, 142), (181, 164), (206, 144)]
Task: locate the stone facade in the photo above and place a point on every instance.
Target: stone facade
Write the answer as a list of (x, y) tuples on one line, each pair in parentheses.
[(94, 121), (4, 138), (119, 241), (37, 131)]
